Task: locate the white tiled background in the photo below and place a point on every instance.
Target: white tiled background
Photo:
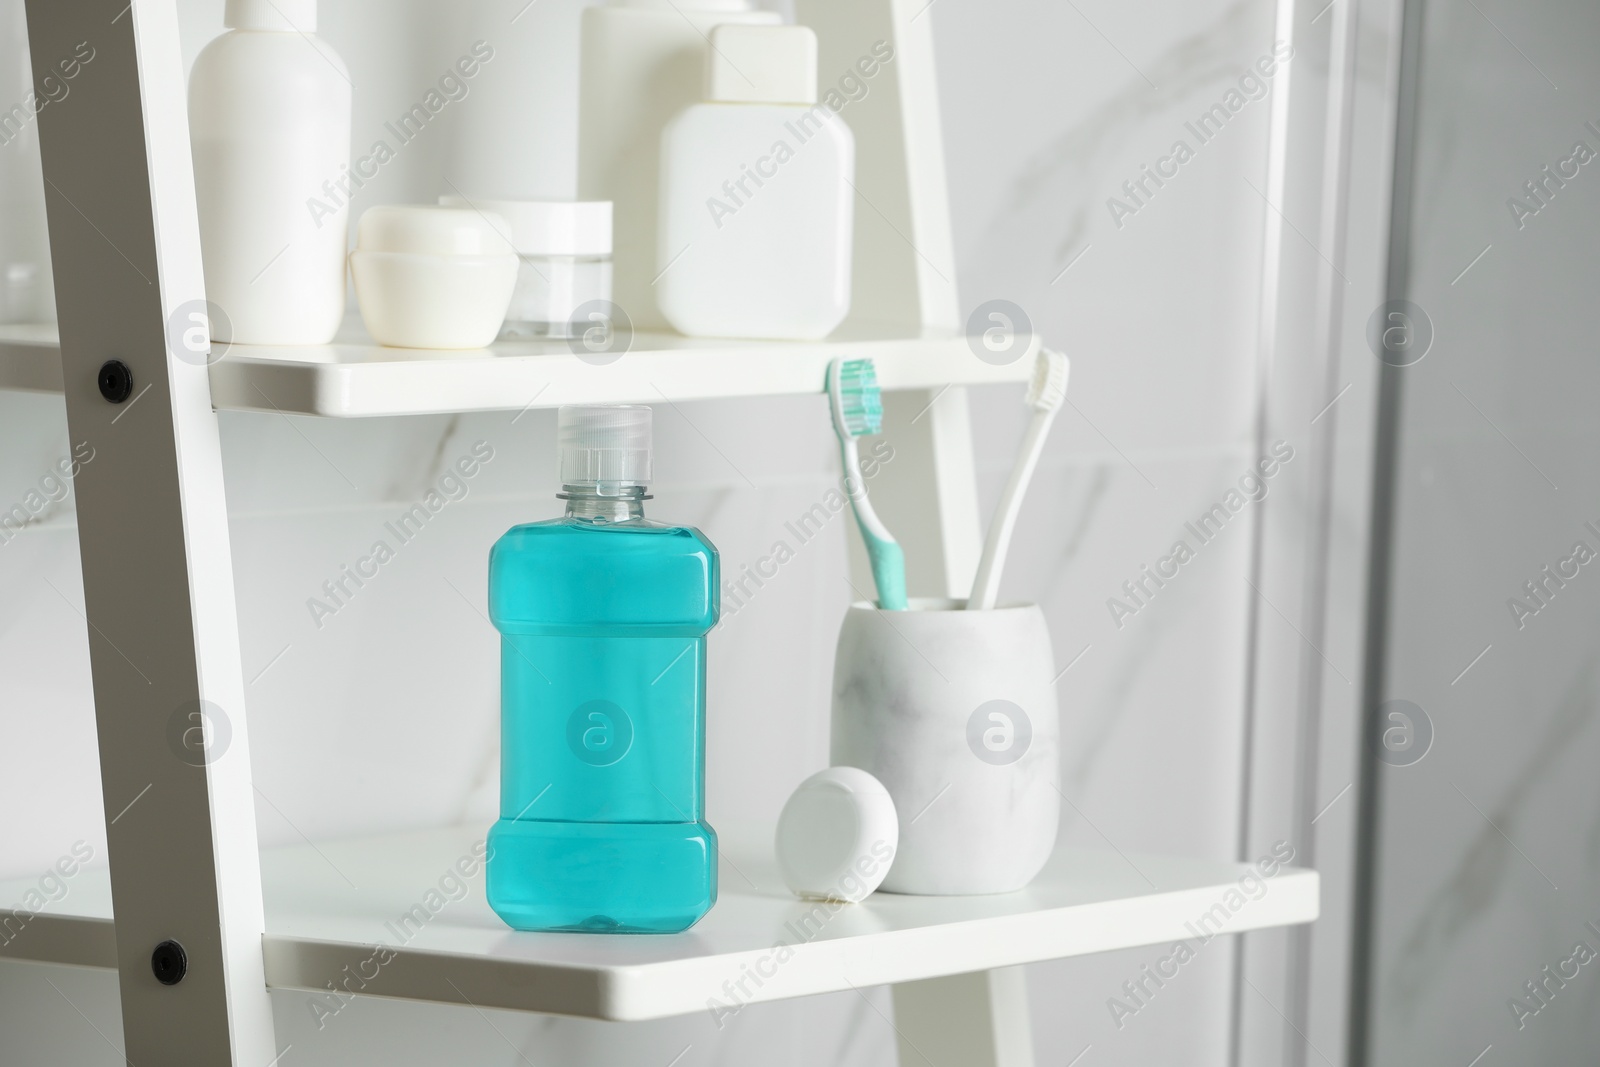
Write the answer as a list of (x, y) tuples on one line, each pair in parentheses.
[(385, 717)]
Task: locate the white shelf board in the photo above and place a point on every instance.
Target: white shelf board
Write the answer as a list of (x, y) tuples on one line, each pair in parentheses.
[(329, 905), (354, 377)]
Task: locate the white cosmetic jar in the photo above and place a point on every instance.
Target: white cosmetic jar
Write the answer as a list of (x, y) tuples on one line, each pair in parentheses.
[(432, 277), (564, 249)]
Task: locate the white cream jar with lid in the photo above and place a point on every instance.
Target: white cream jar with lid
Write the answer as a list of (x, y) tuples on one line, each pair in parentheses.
[(565, 252), (432, 277)]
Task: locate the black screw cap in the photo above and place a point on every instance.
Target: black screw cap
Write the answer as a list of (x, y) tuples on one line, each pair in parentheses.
[(169, 962), (116, 381)]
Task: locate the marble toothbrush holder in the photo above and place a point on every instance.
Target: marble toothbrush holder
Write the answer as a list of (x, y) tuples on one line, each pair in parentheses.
[(955, 713)]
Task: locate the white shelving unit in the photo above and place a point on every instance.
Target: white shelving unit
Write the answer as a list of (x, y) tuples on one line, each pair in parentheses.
[(185, 864), (328, 906), (355, 378)]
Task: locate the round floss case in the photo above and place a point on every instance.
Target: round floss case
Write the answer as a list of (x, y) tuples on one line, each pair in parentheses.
[(837, 835)]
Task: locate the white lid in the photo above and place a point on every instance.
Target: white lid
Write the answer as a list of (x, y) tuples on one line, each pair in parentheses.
[(287, 16), (837, 835), (606, 445), (549, 227), (686, 5), (762, 65), (436, 231)]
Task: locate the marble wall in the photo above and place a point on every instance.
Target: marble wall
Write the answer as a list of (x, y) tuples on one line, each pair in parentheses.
[(384, 715), (1488, 863)]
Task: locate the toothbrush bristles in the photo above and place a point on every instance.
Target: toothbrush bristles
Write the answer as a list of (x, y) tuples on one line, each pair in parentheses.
[(860, 399), (1048, 387)]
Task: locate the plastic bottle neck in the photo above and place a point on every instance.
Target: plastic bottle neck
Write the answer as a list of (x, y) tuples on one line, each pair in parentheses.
[(588, 504)]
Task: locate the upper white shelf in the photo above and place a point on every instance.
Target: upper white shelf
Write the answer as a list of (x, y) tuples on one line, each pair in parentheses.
[(353, 377), (328, 906)]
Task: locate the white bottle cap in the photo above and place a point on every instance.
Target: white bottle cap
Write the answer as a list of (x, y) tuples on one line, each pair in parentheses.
[(762, 65), (837, 835), (604, 445), (548, 227), (284, 16)]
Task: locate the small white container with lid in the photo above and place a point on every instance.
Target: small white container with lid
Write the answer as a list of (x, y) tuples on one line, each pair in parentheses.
[(565, 253), (432, 277), (756, 214), (642, 62)]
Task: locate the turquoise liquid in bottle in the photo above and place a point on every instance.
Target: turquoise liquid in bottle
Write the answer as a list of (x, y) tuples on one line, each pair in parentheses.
[(603, 617)]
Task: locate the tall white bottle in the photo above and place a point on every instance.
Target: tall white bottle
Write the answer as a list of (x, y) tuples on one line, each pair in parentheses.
[(269, 118), (757, 204), (642, 62)]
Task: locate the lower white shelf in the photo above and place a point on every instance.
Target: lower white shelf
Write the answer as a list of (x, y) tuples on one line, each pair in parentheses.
[(355, 378), (341, 905)]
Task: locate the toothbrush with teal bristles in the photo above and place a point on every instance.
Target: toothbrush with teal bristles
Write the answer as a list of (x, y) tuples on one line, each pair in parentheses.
[(857, 407)]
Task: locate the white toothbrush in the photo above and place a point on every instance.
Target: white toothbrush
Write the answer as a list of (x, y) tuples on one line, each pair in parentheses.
[(1046, 393)]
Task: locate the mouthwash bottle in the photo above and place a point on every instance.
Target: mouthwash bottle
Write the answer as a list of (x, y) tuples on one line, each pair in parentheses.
[(603, 616)]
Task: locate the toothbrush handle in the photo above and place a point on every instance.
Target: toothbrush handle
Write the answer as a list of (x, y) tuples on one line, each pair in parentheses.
[(986, 586), (883, 551), (888, 571)]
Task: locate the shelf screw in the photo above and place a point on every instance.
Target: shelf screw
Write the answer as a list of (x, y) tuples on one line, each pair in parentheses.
[(169, 962), (116, 381)]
